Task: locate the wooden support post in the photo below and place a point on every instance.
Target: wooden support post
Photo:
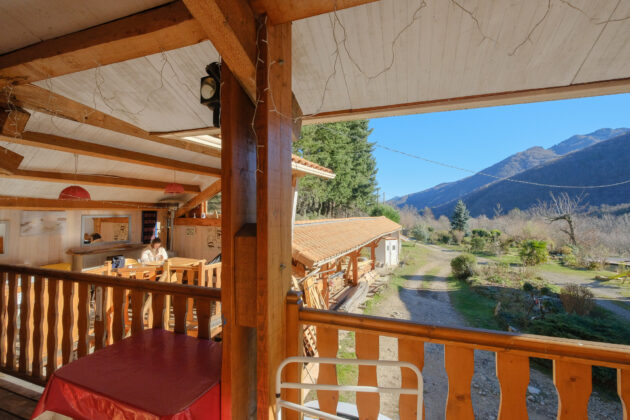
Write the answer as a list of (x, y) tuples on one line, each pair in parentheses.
[(355, 267), (238, 202), (325, 286), (373, 254), (274, 127)]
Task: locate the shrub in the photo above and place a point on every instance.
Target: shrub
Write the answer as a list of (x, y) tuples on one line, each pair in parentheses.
[(387, 211), (420, 233), (457, 236), (577, 299), (441, 236), (569, 260), (463, 266), (495, 233), (528, 287), (481, 233), (566, 250), (477, 244), (533, 252)]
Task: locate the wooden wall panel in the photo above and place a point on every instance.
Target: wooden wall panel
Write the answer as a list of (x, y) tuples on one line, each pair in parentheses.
[(193, 241)]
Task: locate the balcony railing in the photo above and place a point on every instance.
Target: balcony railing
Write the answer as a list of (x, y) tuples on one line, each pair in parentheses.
[(50, 317), (572, 363)]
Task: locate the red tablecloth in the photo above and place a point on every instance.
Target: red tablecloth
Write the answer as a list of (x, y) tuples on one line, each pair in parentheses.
[(153, 375)]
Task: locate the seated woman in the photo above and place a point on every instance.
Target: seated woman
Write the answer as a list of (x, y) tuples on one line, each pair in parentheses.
[(154, 252)]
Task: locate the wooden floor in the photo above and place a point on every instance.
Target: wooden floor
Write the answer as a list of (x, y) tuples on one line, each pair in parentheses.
[(16, 402)]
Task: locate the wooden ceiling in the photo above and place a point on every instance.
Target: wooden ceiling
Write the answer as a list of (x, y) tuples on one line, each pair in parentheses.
[(116, 73)]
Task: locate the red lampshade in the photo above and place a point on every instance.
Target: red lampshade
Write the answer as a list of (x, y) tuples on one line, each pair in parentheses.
[(174, 188), (74, 192)]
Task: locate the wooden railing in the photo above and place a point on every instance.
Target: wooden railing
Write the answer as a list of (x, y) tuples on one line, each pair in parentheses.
[(572, 363), (50, 317)]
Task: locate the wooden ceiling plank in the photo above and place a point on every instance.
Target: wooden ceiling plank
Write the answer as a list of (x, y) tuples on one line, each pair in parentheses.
[(206, 194), (160, 29), (579, 90), (63, 144), (231, 27), (282, 11), (9, 161), (42, 100), (98, 180), (29, 203)]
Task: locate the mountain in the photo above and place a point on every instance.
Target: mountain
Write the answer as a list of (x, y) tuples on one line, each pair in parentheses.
[(445, 193), (605, 162)]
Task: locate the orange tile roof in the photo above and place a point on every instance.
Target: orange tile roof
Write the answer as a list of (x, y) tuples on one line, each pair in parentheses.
[(302, 161), (318, 241)]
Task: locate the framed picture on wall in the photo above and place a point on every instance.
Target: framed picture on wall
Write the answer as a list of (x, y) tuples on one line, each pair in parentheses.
[(4, 236), (35, 223)]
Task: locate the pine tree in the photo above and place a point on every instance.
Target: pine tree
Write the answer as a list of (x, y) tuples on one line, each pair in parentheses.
[(459, 221), (344, 148)]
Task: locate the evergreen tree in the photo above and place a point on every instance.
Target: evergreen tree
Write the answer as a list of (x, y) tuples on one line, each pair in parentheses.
[(344, 148), (459, 221)]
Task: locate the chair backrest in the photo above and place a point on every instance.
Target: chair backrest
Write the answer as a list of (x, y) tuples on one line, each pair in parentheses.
[(140, 273)]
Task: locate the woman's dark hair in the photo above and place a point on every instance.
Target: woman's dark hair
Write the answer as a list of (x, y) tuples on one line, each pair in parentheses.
[(96, 236), (155, 241)]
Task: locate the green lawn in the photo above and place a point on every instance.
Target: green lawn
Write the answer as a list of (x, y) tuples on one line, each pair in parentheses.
[(477, 310)]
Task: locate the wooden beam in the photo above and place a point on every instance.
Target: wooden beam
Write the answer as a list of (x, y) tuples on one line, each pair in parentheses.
[(231, 27), (206, 194), (42, 100), (190, 221), (160, 29), (13, 120), (100, 180), (283, 11), (238, 207), (274, 128), (63, 144), (28, 203), (580, 90), (9, 161)]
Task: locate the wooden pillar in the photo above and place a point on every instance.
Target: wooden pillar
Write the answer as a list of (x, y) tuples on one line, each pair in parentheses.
[(373, 254), (274, 126), (355, 267), (325, 288), (238, 207)]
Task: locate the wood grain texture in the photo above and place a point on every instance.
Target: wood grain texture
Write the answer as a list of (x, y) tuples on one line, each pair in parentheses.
[(29, 203), (83, 320), (282, 11), (274, 128), (137, 320), (411, 351), (368, 403), (459, 363), (3, 316), (574, 385), (12, 309), (25, 324), (157, 308), (203, 307), (118, 326), (295, 347), (38, 326), (623, 389), (327, 346), (238, 206), (180, 309), (101, 316), (67, 322), (52, 339), (513, 374), (160, 29)]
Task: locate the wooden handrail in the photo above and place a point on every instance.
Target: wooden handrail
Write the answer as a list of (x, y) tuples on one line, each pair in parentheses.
[(588, 352), (109, 281)]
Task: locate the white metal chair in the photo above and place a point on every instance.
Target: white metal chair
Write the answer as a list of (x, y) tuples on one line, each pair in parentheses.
[(280, 385)]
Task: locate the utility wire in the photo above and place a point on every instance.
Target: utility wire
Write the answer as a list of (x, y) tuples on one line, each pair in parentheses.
[(518, 181)]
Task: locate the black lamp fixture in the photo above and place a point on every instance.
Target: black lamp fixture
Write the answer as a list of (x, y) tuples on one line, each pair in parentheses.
[(210, 91)]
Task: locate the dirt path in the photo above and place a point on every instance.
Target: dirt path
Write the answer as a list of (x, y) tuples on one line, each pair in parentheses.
[(425, 299)]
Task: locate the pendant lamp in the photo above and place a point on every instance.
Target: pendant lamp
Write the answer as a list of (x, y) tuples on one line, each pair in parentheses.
[(74, 192), (174, 187)]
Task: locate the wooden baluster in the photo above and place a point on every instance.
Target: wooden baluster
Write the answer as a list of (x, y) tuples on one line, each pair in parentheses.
[(11, 321), (100, 317), (83, 321), (67, 322), (157, 307), (25, 326), (3, 310), (368, 403), (574, 385), (38, 326), (52, 340), (179, 309), (294, 347), (623, 389), (460, 367), (118, 327), (137, 320), (513, 375), (327, 346), (203, 318), (411, 351)]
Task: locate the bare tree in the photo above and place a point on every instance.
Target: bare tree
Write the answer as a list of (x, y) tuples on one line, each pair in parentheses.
[(562, 207)]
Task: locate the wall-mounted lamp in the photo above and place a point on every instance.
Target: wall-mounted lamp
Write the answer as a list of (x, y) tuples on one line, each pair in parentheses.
[(210, 91)]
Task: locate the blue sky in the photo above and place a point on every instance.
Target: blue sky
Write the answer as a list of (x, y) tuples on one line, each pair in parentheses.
[(475, 139)]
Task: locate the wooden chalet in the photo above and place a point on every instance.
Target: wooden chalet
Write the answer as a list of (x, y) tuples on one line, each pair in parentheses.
[(105, 95)]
